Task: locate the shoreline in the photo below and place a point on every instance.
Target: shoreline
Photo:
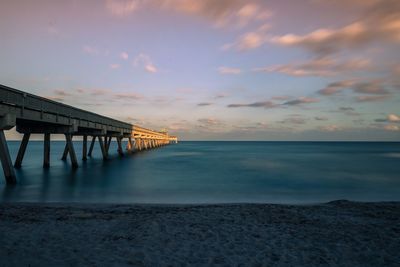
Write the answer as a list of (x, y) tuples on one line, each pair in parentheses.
[(337, 233)]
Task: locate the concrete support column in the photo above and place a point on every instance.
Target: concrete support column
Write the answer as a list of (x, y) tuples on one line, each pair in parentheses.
[(102, 147), (21, 151), (119, 142), (84, 148), (129, 146), (5, 158), (107, 143), (65, 153), (92, 145), (71, 150), (46, 152)]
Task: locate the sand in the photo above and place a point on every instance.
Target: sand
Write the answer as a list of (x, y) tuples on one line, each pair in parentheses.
[(339, 233)]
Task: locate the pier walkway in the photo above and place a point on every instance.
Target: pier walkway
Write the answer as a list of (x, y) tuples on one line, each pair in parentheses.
[(32, 114)]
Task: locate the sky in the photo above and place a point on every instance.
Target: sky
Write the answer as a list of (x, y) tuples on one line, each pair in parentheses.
[(214, 70)]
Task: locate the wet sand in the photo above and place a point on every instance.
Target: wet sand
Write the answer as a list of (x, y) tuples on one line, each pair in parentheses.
[(338, 233)]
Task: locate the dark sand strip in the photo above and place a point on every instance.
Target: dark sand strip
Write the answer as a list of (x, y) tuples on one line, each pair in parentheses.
[(339, 233)]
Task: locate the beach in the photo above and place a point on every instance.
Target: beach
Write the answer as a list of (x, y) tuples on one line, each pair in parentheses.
[(338, 233)]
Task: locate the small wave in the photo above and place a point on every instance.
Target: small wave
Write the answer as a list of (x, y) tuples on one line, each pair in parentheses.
[(185, 153), (262, 164), (392, 155)]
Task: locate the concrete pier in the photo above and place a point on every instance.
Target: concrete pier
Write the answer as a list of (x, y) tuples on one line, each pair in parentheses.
[(32, 114)]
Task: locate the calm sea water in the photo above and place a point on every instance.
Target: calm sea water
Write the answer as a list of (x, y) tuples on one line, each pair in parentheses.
[(213, 172)]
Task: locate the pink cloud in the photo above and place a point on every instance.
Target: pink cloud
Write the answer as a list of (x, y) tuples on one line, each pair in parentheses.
[(124, 55), (372, 98), (121, 8), (115, 66), (228, 70), (145, 61), (326, 66)]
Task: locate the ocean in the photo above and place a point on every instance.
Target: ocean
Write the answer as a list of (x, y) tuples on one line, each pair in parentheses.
[(212, 172)]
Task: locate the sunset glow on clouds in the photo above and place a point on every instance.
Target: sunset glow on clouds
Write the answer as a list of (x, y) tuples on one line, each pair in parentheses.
[(225, 70)]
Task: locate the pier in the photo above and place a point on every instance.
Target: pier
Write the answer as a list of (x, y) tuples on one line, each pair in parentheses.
[(32, 114)]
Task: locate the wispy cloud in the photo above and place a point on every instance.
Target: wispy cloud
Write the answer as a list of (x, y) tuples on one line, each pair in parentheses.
[(293, 120), (390, 118), (380, 23), (127, 96), (372, 98), (114, 66), (203, 104), (301, 100), (348, 111), (391, 127), (211, 124), (222, 13), (326, 66), (335, 87), (270, 104), (318, 118), (331, 128), (228, 70), (145, 61), (375, 87), (372, 87), (91, 50), (121, 8), (264, 104), (124, 55), (249, 40)]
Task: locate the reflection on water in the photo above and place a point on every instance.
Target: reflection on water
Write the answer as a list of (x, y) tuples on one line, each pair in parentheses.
[(204, 172)]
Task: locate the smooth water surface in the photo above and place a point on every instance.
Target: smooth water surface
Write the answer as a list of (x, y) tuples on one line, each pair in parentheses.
[(213, 172)]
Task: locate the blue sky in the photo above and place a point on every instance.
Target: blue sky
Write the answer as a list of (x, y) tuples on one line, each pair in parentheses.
[(214, 70)]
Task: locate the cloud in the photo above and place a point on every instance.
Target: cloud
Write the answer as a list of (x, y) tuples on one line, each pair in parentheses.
[(264, 104), (280, 97), (293, 120), (326, 41), (114, 66), (325, 66), (391, 127), (121, 8), (301, 100), (390, 118), (145, 61), (124, 55), (346, 109), (61, 92), (393, 118), (320, 118), (269, 104), (203, 104), (379, 23), (127, 96), (249, 40), (90, 50), (222, 95), (211, 124), (330, 128), (335, 87), (372, 98), (227, 70), (373, 87), (222, 13)]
